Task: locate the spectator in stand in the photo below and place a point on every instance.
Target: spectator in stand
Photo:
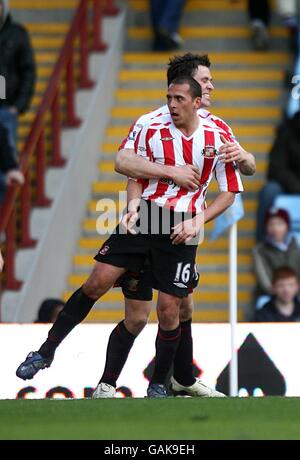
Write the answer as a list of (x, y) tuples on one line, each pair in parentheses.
[(9, 168), (49, 310), (17, 67), (283, 176), (284, 305), (289, 14), (279, 248), (165, 18), (259, 14)]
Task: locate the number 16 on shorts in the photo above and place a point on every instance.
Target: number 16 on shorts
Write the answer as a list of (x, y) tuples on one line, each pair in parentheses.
[(183, 273)]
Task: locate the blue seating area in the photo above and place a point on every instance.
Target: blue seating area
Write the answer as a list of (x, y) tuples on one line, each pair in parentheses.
[(261, 301)]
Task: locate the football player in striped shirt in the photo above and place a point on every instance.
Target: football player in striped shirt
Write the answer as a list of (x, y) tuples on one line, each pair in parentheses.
[(136, 287), (138, 310), (172, 260), (163, 143)]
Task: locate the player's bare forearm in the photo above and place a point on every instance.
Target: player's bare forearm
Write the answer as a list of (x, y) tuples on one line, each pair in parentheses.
[(218, 206), (246, 164), (134, 193), (130, 216), (185, 231), (132, 165), (232, 152)]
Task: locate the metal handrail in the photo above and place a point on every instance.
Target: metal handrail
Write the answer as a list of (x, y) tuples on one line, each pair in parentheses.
[(34, 147)]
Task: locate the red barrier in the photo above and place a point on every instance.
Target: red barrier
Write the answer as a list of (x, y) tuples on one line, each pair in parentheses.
[(57, 159), (98, 44), (111, 9)]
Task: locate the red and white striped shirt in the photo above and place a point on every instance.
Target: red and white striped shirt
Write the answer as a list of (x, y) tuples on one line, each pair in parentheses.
[(162, 115), (161, 142)]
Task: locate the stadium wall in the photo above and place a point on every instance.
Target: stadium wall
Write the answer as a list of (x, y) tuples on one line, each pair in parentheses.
[(267, 356)]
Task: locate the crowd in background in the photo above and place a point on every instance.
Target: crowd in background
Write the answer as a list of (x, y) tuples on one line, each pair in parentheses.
[(276, 256), (17, 70)]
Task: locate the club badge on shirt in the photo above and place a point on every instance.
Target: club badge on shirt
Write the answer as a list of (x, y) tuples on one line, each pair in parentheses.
[(209, 151)]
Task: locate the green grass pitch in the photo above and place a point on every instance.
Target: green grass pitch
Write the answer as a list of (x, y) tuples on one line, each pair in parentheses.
[(157, 419)]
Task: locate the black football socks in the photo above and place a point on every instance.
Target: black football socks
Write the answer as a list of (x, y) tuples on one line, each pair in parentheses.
[(166, 345), (76, 309), (183, 360), (118, 348)]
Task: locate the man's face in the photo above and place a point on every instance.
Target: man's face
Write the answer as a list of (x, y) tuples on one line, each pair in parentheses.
[(286, 289), (181, 105), (204, 78)]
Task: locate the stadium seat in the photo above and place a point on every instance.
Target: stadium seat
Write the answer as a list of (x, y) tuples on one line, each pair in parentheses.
[(261, 301)]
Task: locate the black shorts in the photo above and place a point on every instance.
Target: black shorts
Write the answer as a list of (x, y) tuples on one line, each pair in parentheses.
[(171, 266), (137, 286)]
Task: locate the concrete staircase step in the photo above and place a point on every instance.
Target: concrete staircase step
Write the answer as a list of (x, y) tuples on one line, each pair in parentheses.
[(207, 279), (209, 37), (256, 75), (208, 297), (199, 18), (216, 315), (86, 261), (157, 95), (228, 113), (196, 44), (245, 243), (227, 58), (44, 5), (51, 28), (47, 43), (208, 32), (195, 5), (229, 84)]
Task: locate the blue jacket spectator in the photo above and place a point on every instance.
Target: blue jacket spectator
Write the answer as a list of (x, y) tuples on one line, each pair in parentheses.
[(17, 66), (283, 174)]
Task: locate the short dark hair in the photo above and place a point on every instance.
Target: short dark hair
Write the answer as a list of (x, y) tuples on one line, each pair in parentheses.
[(195, 88), (282, 273), (46, 310), (187, 64)]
